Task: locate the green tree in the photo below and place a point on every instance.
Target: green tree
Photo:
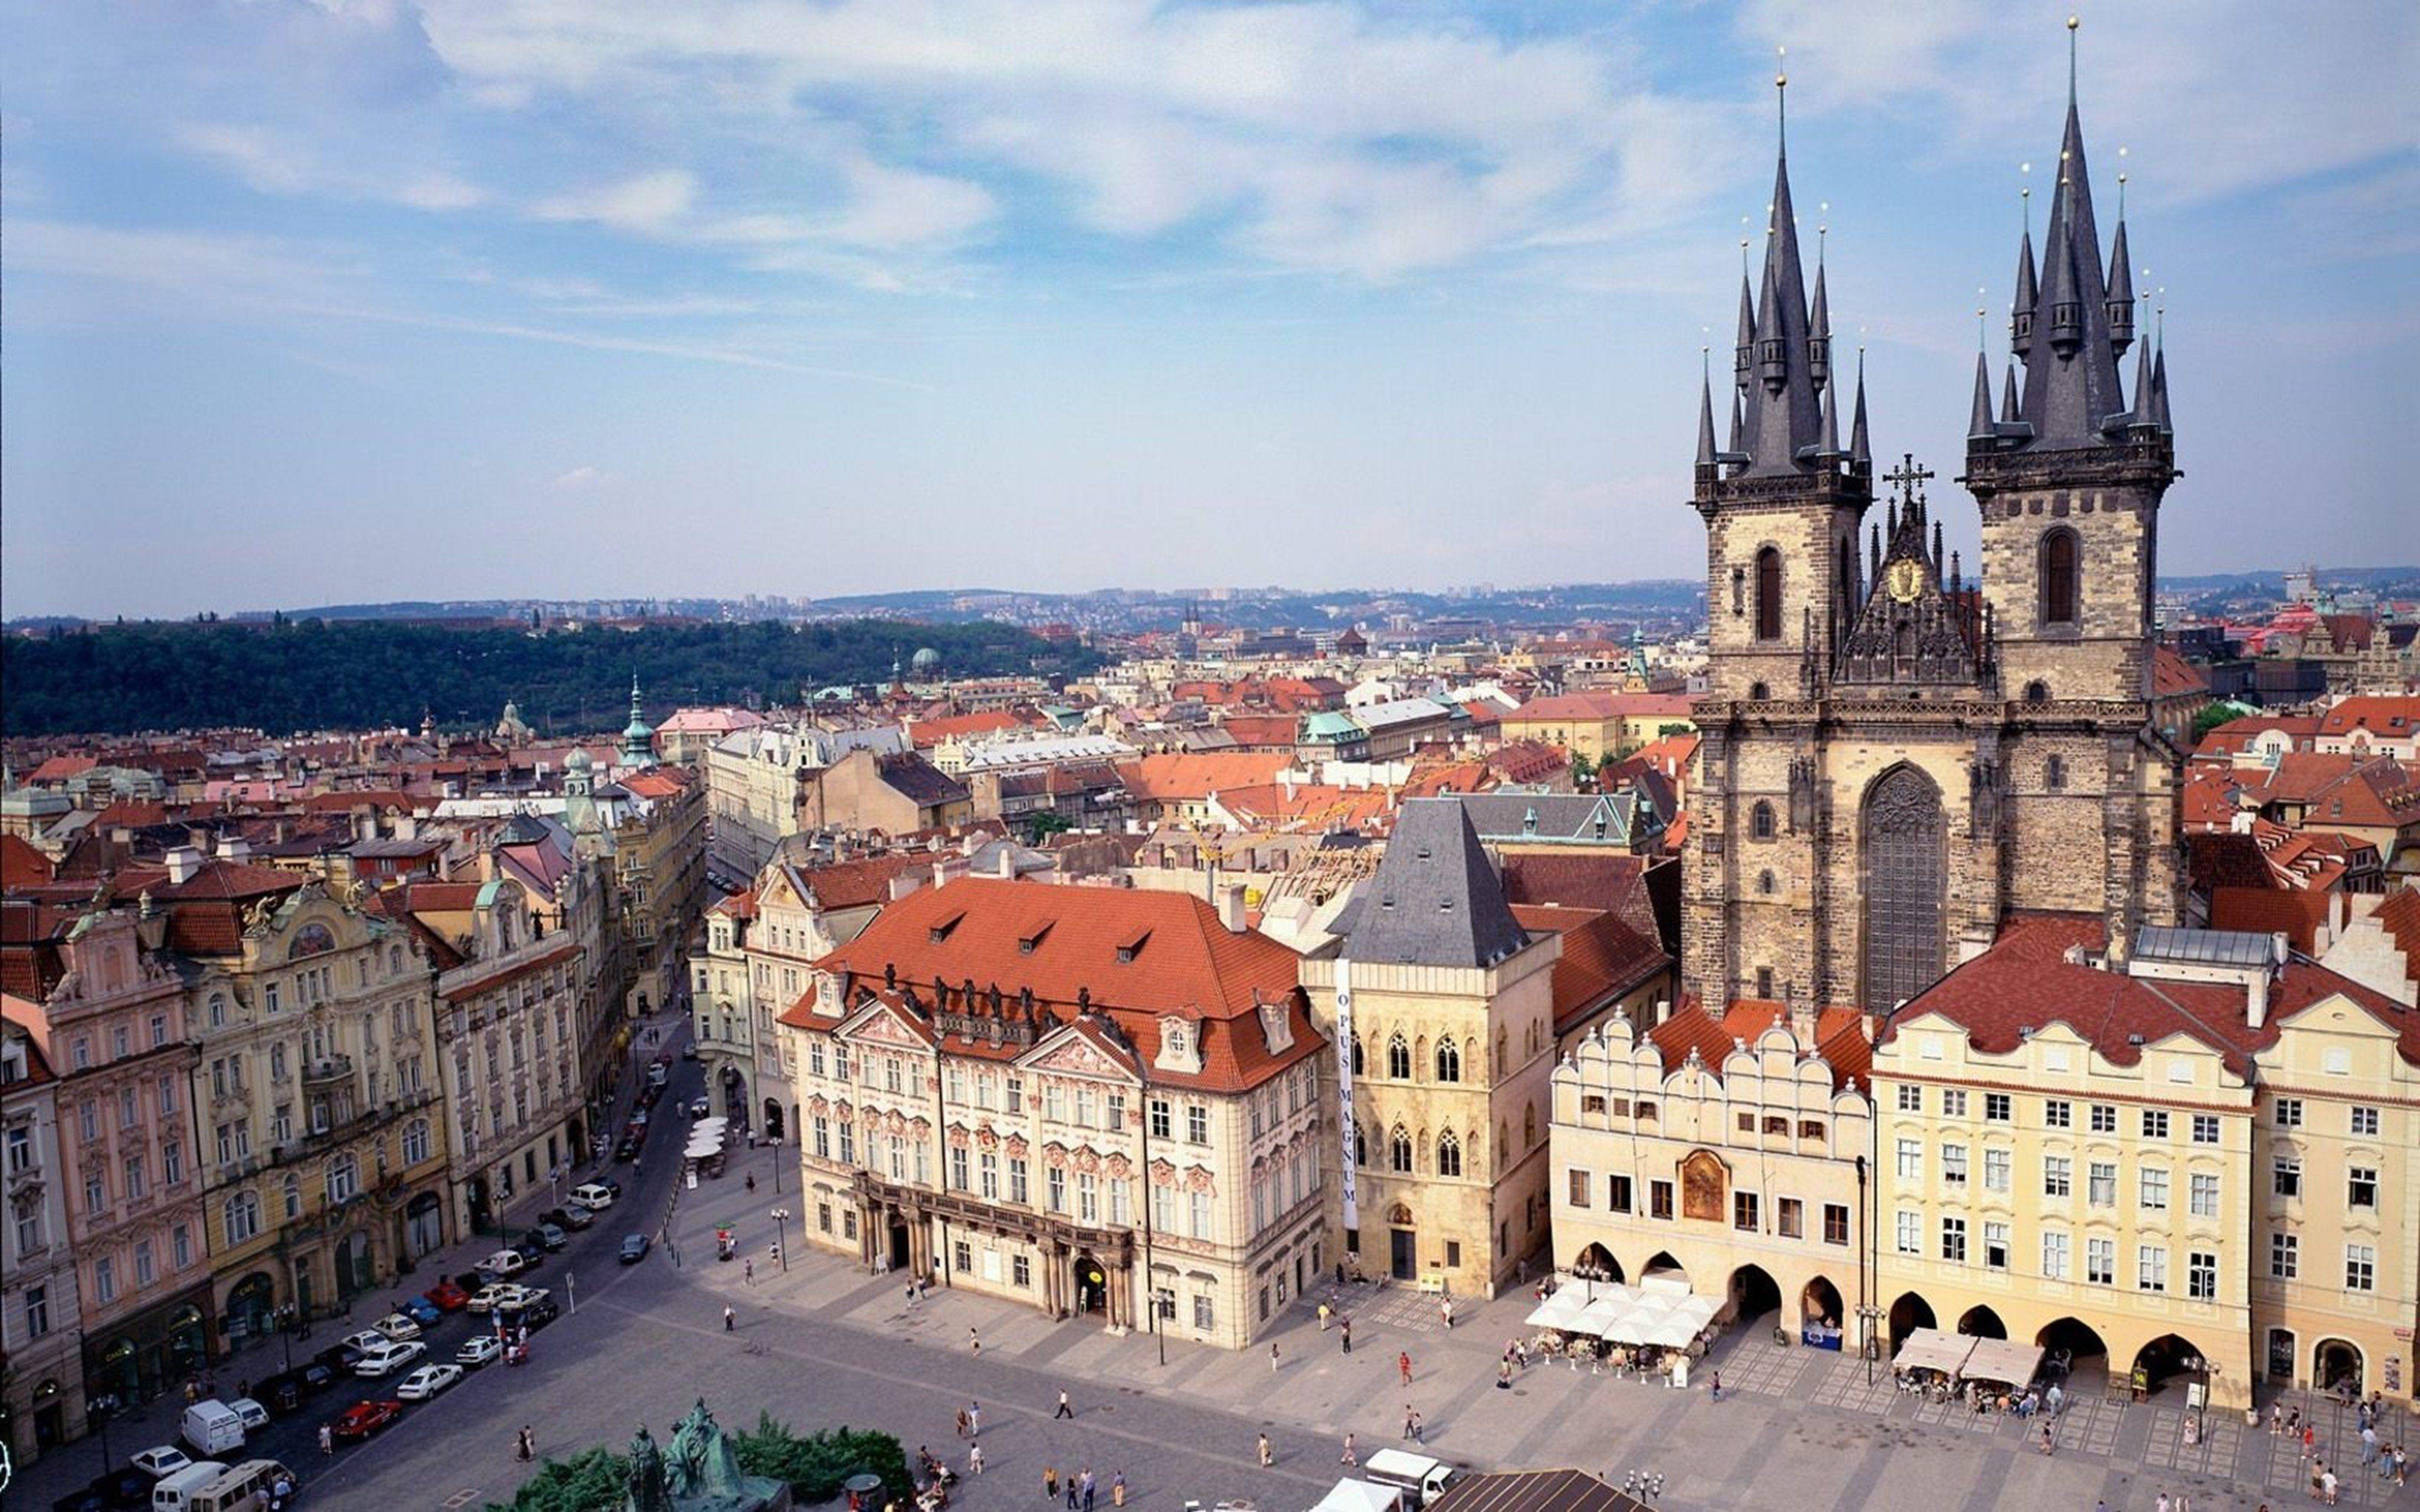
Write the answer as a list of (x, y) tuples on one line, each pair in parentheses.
[(2211, 718), (591, 1481), (1583, 771), (817, 1465)]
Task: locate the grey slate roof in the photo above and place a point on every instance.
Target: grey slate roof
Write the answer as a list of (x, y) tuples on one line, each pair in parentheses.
[(1594, 818), (1435, 899)]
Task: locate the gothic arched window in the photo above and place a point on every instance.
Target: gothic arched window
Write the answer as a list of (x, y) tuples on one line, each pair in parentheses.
[(1768, 594), (1448, 1061), (1356, 1056), (1399, 1151), (2054, 772), (1765, 883), (1399, 1059), (1529, 1126), (2062, 577), (1904, 873), (1449, 1154), (2038, 691), (1360, 1147), (1848, 572), (1760, 821)]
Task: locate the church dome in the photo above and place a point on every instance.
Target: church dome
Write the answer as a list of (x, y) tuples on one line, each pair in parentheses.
[(926, 659), (579, 760)]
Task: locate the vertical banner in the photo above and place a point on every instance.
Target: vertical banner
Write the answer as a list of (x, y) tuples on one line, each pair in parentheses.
[(1345, 1122)]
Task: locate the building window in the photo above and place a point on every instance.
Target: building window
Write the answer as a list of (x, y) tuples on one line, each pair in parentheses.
[(1399, 1059), (1021, 1269), (242, 1217), (1996, 1245), (1760, 821), (1909, 1232), (2286, 1176), (1160, 1126), (1197, 1124), (2201, 1276), (1997, 1164), (1790, 1218), (2104, 1117), (1399, 1151), (2203, 1194), (1911, 1160), (2155, 1189), (1954, 1165), (1659, 1199), (1016, 1181), (1997, 1107), (1449, 1063), (344, 1179), (2285, 1256), (2054, 1257), (1953, 1240), (2054, 772), (2059, 1113), (2150, 1268), (1449, 1154), (2361, 1186), (2062, 577), (1744, 1214), (988, 1171), (1205, 1315), (1200, 1214), (2362, 1122), (104, 1279), (1579, 1187), (1953, 1102), (2155, 1124), (2104, 1190), (1911, 1098), (2101, 1261), (1768, 594), (1054, 1189), (1088, 1198), (2289, 1113)]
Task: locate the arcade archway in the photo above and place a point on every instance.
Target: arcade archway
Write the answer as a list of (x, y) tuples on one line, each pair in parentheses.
[(1596, 1264), (2335, 1364), (1908, 1314), (1982, 1323), (2162, 1360), (1753, 1294), (1818, 1302)]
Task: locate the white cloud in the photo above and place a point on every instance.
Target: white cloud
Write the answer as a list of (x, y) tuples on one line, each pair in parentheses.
[(650, 203), (280, 162), (581, 479)]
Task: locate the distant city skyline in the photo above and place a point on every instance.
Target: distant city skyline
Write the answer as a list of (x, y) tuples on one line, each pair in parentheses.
[(315, 301)]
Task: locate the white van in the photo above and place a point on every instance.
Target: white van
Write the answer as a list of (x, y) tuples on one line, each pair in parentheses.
[(175, 1493), (245, 1489), (1426, 1478), (212, 1427)]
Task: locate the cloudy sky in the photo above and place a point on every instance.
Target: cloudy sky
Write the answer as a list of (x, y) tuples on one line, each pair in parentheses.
[(313, 300)]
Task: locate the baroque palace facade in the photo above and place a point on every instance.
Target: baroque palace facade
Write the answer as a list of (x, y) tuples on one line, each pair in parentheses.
[(1942, 1058)]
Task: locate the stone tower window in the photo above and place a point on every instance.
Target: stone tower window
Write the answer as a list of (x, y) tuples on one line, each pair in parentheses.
[(1760, 821), (1449, 1154), (1399, 1149), (1765, 982), (1449, 1062), (1399, 1059), (1768, 594), (1904, 872), (2038, 692), (2062, 577), (1765, 883), (2054, 772)]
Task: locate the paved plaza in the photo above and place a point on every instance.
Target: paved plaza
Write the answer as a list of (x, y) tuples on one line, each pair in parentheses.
[(824, 1343)]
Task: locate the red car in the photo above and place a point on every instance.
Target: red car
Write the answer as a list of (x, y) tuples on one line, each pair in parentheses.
[(446, 1297), (363, 1419)]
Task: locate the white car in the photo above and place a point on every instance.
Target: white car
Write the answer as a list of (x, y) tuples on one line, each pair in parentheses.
[(498, 1294), (162, 1461), (427, 1381), (399, 1326), (504, 1264), (389, 1358), (478, 1349), (251, 1413), (593, 1196), (367, 1341)]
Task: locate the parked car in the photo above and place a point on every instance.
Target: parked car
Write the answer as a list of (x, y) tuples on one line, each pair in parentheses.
[(427, 1381), (399, 1326), (421, 1310), (478, 1349), (549, 1237), (626, 1149), (533, 1253), (318, 1376), (531, 1312), (597, 1196), (498, 1294), (504, 1265), (251, 1413), (699, 1106), (363, 1419), (649, 1093), (638, 1120), (446, 1297), (573, 1217), (365, 1340), (635, 1248), (339, 1359), (161, 1460), (389, 1358)]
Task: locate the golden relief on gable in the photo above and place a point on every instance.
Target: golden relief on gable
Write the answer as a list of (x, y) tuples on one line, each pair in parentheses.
[(1704, 1182)]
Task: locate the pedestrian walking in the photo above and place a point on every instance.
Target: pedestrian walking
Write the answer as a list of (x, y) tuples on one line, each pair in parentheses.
[(1273, 1357), (1345, 1329), (974, 1459), (2161, 1503), (1050, 1483), (1322, 1318), (1718, 1385), (974, 1420), (1446, 1307), (1064, 1411), (1419, 1434), (2368, 1444), (974, 1341), (1073, 1495), (2328, 1487), (2276, 1418), (1088, 1489), (327, 1439), (1407, 1422), (1266, 1460), (960, 1426), (730, 1318), (1404, 1365), (2047, 1444), (1504, 1374), (1118, 1489), (748, 1272), (1348, 1456), (2310, 1441)]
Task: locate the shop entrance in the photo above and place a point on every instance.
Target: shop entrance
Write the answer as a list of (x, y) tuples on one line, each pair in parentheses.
[(1092, 1284)]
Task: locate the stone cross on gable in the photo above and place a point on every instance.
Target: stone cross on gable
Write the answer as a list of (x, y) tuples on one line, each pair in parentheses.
[(1908, 475)]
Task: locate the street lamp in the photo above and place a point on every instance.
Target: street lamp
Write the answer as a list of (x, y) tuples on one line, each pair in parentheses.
[(1868, 1315), (780, 1235)]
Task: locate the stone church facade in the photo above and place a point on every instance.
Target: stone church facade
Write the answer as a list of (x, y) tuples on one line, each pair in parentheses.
[(1896, 756)]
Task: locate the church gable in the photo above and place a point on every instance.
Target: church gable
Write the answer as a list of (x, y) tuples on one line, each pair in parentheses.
[(1913, 628), (1072, 1052)]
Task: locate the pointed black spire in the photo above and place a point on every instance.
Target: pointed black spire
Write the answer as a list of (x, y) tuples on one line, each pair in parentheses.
[(1747, 330), (1739, 425), (1936, 548), (2143, 385), (1874, 554), (1857, 449), (1828, 432), (2160, 389), (1819, 330), (1978, 423), (2008, 397), (2071, 391), (2120, 298), (2021, 313), (1781, 410), (1706, 420)]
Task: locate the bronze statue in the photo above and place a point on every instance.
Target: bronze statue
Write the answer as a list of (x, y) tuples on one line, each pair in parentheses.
[(646, 1489), (703, 1462)]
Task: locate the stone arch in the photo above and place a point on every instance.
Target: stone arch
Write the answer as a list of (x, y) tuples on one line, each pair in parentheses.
[(1760, 821), (1908, 1314), (1399, 1149), (2071, 1341), (1662, 1262), (1752, 1293), (1980, 1322), (1818, 1302), (1449, 1060), (2060, 563), (1399, 1057), (2166, 1358), (1596, 1264), (1904, 853), (2336, 1360), (1448, 1153), (1768, 594)]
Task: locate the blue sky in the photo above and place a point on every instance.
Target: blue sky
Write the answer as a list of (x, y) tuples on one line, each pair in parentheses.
[(313, 300)]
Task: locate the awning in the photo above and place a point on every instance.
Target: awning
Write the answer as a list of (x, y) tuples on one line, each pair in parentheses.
[(1928, 1349), (2004, 1362), (1666, 1316), (1562, 1310)]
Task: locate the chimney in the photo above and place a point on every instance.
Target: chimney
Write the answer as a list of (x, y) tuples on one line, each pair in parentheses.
[(1230, 909), (184, 863), (232, 848), (1007, 862), (2256, 992), (1662, 1008)]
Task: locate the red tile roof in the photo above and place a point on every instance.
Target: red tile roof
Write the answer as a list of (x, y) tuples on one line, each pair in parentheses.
[(923, 734), (2293, 912), (2171, 677), (862, 882), (1601, 959), (21, 864), (1186, 775), (2393, 717), (59, 768)]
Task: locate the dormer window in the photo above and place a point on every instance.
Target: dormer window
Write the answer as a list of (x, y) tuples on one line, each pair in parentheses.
[(941, 931), (1133, 948), (1028, 944)]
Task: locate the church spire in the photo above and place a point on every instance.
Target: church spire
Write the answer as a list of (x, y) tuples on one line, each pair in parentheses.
[(1706, 419), (1859, 451), (1783, 420), (2021, 312), (2160, 389), (1978, 422), (2008, 397), (2120, 298)]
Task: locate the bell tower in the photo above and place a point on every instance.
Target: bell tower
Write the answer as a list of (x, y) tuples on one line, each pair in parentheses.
[(2069, 472), (1783, 500)]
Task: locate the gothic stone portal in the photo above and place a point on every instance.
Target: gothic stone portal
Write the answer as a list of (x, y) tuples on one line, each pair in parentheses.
[(1905, 841)]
